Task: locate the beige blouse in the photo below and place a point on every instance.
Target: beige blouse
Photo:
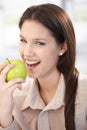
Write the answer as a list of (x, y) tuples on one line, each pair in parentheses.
[(30, 112)]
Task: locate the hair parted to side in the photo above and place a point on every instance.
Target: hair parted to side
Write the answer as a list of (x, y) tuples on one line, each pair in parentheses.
[(58, 22)]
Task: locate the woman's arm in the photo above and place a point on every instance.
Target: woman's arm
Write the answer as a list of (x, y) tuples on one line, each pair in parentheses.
[(6, 96)]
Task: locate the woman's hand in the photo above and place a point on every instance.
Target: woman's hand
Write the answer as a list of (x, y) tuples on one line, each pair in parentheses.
[(6, 94)]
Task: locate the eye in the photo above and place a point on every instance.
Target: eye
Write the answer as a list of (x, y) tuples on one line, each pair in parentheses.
[(40, 43), (23, 40)]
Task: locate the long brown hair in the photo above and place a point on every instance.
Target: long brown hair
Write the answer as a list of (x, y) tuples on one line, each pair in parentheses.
[(58, 22)]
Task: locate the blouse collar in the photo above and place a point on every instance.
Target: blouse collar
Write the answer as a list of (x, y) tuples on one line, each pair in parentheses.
[(34, 101)]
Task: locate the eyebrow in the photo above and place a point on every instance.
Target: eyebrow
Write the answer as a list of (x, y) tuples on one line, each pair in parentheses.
[(34, 39), (21, 36)]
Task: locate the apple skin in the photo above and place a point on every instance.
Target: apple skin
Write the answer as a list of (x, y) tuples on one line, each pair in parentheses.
[(18, 71)]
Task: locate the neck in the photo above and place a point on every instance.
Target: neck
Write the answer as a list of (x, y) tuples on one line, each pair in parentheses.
[(48, 86)]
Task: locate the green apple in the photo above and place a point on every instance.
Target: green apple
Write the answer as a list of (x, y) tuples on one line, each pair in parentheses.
[(18, 71)]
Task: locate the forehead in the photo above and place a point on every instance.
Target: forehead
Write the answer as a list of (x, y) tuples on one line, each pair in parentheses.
[(35, 28)]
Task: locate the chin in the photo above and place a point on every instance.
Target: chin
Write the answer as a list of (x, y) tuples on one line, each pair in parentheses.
[(32, 76)]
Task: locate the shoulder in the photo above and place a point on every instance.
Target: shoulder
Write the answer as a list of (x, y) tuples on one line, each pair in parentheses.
[(82, 85), (82, 77), (82, 80)]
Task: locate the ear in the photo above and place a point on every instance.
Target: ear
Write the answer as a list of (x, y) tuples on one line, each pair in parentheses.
[(63, 49)]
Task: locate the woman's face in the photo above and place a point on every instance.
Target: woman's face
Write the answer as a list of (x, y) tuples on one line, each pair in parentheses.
[(38, 49)]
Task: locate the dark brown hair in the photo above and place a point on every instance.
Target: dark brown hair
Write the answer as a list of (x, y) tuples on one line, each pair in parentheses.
[(58, 22)]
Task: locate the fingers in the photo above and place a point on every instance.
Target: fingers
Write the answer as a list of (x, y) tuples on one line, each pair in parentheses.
[(12, 84), (2, 66), (14, 87), (7, 68), (4, 70), (15, 83), (15, 80)]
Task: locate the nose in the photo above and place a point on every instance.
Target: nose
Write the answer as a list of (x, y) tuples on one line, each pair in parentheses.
[(28, 50)]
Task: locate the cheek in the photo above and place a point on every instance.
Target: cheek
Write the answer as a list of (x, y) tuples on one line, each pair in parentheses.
[(51, 56), (53, 52)]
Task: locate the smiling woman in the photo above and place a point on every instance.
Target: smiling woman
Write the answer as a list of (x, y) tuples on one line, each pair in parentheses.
[(38, 50), (54, 96)]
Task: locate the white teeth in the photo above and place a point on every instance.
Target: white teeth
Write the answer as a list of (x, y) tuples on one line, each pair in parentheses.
[(31, 62)]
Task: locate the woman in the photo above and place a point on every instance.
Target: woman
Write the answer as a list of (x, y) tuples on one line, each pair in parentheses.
[(55, 95)]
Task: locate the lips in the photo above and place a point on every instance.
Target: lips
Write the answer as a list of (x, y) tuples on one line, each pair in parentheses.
[(32, 63)]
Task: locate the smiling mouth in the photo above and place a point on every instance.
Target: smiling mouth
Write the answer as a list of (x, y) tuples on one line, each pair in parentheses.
[(32, 63)]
